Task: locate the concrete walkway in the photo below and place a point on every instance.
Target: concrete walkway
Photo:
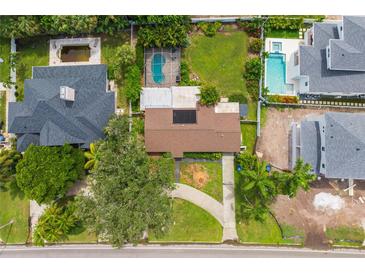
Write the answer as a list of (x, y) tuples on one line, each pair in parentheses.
[(200, 199), (35, 211), (229, 224)]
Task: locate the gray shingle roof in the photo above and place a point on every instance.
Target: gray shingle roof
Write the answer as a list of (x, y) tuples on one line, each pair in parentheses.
[(344, 143), (313, 63), (45, 119)]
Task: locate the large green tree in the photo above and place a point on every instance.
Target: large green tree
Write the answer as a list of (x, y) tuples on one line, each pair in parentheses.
[(68, 24), (19, 26), (46, 173), (8, 161), (128, 188)]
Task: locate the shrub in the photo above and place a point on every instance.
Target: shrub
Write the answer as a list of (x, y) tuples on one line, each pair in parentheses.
[(283, 99), (68, 24), (46, 173), (111, 24), (19, 26), (252, 87), (126, 55), (184, 74), (209, 95), (163, 31), (54, 224), (238, 97), (255, 45), (140, 57), (8, 161), (251, 27), (253, 68), (284, 22), (209, 29), (203, 155), (132, 85)]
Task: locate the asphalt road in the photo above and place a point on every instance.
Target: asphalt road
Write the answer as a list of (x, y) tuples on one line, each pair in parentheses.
[(172, 251)]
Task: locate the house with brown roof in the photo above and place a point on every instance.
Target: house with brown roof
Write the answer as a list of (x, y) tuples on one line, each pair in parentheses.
[(175, 122)]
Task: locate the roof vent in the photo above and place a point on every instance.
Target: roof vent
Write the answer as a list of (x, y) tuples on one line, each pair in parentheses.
[(357, 149), (67, 93)]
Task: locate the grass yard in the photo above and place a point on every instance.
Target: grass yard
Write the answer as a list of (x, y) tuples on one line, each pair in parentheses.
[(30, 52), (248, 132), (16, 208), (109, 46), (190, 224), (205, 176), (219, 60), (346, 236), (294, 34), (5, 55), (81, 235), (2, 109)]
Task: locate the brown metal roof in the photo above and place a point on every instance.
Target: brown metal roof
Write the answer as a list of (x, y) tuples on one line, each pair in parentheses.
[(213, 132)]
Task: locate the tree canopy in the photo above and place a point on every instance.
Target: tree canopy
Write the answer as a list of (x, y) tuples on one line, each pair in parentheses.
[(46, 173), (8, 161), (209, 95), (128, 188)]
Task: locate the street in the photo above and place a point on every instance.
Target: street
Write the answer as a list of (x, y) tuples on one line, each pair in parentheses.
[(172, 251)]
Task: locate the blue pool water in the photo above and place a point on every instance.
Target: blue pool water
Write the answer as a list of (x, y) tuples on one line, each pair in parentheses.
[(276, 73), (158, 61)]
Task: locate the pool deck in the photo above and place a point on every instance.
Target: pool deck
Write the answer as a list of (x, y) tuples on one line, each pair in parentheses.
[(289, 47), (55, 46), (171, 68)]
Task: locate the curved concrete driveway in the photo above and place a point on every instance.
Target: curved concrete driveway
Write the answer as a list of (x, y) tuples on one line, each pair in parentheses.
[(200, 199)]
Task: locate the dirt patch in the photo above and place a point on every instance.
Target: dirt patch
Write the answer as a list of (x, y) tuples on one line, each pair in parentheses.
[(196, 175), (274, 140), (300, 212)]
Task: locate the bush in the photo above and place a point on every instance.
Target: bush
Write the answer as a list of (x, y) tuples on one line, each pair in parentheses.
[(140, 57), (184, 74), (111, 24), (209, 95), (54, 224), (209, 29), (163, 31), (238, 97), (284, 22), (132, 85), (251, 27), (252, 87), (203, 155), (283, 99), (46, 173), (253, 68), (255, 45), (68, 24)]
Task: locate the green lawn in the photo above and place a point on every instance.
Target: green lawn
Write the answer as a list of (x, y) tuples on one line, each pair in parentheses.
[(17, 209), (219, 60), (191, 224), (81, 235), (109, 45), (205, 176), (346, 236), (3, 108), (5, 55), (30, 52), (248, 132), (283, 34)]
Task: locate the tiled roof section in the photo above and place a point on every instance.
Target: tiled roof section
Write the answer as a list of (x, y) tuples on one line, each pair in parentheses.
[(345, 145), (56, 121), (213, 132), (310, 144), (313, 63), (349, 53)]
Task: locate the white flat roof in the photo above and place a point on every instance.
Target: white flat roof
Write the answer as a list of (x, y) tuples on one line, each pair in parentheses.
[(184, 97), (155, 98), (227, 107)]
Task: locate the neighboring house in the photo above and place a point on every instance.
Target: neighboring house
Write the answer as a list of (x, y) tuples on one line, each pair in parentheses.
[(333, 143), (332, 61), (175, 122), (65, 104)]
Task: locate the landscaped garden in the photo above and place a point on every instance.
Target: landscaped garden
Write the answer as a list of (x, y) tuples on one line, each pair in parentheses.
[(204, 176), (190, 223), (2, 109)]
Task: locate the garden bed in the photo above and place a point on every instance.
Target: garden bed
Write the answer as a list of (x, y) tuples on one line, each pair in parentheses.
[(190, 223), (204, 176), (2, 109), (346, 236)]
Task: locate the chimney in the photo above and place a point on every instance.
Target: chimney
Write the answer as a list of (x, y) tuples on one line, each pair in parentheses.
[(67, 93)]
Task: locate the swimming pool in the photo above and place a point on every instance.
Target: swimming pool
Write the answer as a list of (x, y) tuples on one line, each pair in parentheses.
[(158, 61), (276, 74)]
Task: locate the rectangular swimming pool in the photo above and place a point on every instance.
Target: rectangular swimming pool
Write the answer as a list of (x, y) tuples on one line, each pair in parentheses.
[(276, 74)]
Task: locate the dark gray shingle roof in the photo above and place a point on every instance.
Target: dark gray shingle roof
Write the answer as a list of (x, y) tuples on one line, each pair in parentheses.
[(45, 119), (313, 63), (344, 144)]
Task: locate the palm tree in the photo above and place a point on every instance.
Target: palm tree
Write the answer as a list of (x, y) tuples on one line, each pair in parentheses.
[(257, 182), (91, 157)]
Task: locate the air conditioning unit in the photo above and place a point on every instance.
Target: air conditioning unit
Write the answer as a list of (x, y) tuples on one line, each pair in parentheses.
[(67, 93)]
